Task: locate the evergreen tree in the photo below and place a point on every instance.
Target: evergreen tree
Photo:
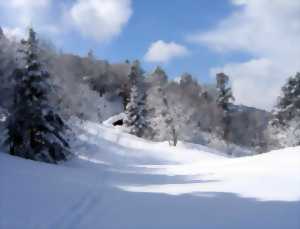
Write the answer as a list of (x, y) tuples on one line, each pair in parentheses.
[(224, 99), (135, 112), (35, 131), (288, 106), (225, 96), (158, 77), (168, 119), (284, 128), (135, 109), (134, 78), (7, 66), (91, 55), (136, 73)]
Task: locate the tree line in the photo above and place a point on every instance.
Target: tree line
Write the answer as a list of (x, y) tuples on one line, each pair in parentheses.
[(41, 89)]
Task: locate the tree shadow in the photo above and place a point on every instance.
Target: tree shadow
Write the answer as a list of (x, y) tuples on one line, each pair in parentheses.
[(208, 211)]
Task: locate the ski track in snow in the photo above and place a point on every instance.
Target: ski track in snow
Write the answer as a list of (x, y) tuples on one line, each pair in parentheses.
[(118, 181)]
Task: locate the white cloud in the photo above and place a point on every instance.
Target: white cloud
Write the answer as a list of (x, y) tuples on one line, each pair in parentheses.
[(161, 51), (25, 12), (100, 19), (254, 82), (239, 2), (20, 14), (27, 3), (270, 31), (15, 33)]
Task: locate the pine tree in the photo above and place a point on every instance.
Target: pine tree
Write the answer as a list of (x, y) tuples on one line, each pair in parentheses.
[(288, 106), (225, 96), (35, 131), (224, 99), (158, 77), (136, 73), (134, 78), (135, 112), (90, 55), (284, 128), (135, 109)]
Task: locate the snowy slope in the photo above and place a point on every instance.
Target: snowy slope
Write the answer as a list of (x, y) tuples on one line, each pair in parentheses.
[(118, 181)]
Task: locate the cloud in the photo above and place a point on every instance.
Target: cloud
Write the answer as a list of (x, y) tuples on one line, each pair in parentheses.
[(25, 12), (269, 30), (239, 2), (20, 14), (161, 51), (101, 20), (254, 82), (14, 33), (27, 3)]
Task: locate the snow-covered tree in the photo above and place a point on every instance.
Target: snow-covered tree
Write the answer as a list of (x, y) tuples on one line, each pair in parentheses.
[(285, 124), (168, 119), (157, 77), (288, 106), (188, 105), (224, 99), (135, 77), (136, 73), (159, 115), (90, 54), (135, 112), (135, 108), (225, 96), (8, 50), (35, 130)]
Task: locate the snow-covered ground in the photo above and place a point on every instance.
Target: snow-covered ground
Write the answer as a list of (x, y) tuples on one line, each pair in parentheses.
[(118, 181)]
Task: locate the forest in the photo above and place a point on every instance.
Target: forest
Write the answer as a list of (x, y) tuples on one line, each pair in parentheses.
[(42, 89)]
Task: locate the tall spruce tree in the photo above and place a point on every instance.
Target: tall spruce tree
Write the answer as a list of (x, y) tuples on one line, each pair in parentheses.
[(134, 78), (136, 73), (35, 131), (288, 106), (284, 128), (135, 112), (224, 99), (135, 109), (158, 77)]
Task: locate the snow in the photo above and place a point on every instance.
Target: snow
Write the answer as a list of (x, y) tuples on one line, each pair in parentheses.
[(265, 177), (118, 181), (110, 121)]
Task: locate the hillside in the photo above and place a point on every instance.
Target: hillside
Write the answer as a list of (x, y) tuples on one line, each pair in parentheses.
[(118, 181)]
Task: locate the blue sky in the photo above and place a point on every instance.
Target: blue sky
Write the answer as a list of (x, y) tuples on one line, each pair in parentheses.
[(255, 42), (169, 20)]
